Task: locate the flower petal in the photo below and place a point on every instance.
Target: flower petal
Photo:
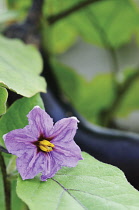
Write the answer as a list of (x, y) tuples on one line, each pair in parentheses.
[(64, 130), (19, 140), (40, 122), (67, 154), (50, 167), (30, 164)]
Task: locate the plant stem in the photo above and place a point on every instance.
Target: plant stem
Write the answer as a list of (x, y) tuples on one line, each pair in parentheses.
[(27, 31), (35, 13), (6, 182), (54, 18), (108, 114), (2, 149)]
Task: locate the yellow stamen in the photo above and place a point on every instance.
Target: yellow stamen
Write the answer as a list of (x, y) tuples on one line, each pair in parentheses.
[(46, 146)]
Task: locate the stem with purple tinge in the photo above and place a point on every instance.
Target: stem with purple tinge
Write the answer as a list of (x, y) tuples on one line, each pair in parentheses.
[(6, 183)]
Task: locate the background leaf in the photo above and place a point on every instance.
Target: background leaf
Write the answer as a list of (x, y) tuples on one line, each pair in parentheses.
[(15, 116), (99, 23), (59, 37), (102, 22), (90, 185), (20, 66), (3, 99)]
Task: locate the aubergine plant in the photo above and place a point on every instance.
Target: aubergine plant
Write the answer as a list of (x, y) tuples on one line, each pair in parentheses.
[(47, 161)]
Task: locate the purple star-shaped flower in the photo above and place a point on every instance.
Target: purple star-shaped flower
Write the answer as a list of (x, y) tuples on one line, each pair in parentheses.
[(42, 147)]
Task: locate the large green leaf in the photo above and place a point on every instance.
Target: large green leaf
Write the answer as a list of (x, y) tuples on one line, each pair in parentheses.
[(3, 99), (15, 117), (90, 185), (20, 66)]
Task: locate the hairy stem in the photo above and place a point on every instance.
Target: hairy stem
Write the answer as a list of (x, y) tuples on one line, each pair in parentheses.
[(2, 149), (54, 18), (6, 182)]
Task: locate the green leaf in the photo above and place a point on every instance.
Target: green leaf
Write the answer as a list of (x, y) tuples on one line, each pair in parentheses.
[(99, 23), (15, 116), (20, 66), (3, 99), (59, 37), (90, 185), (102, 22)]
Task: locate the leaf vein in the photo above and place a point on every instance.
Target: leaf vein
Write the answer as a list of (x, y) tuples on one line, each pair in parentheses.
[(65, 189), (104, 198)]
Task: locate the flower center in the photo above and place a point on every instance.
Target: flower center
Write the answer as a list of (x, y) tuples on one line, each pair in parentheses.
[(45, 145)]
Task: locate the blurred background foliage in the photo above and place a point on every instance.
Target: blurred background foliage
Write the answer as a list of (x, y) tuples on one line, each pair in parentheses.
[(107, 24)]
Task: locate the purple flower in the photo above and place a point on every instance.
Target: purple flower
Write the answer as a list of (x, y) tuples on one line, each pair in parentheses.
[(42, 147)]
